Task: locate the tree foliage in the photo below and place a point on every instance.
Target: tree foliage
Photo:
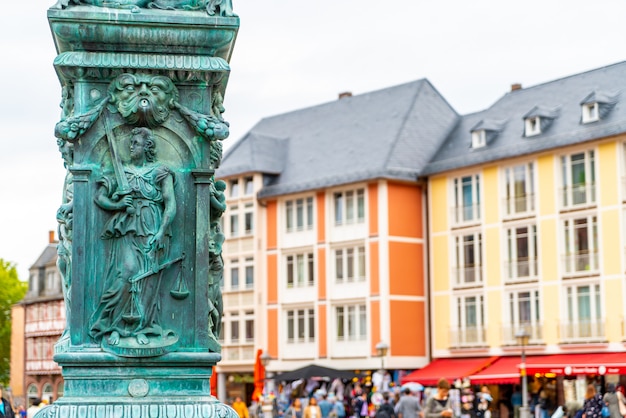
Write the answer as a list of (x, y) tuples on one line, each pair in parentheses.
[(12, 290)]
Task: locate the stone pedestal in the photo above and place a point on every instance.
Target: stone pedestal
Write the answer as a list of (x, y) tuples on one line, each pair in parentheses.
[(139, 226)]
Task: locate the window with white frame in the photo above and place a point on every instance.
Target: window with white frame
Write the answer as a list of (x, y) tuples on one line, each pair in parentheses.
[(300, 325), (249, 326), (234, 188), (234, 274), (299, 214), (234, 221), (300, 270), (234, 327), (248, 218), (470, 320), (584, 312), (249, 267), (519, 191), (351, 322), (532, 126), (479, 138), (468, 259), (581, 244), (350, 264), (590, 112), (349, 207), (524, 313), (578, 179), (522, 252), (248, 185), (466, 198)]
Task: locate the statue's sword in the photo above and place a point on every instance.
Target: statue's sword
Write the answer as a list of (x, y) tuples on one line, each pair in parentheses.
[(123, 188)]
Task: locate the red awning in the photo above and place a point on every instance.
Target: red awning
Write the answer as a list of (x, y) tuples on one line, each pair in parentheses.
[(504, 370), (575, 364), (449, 368)]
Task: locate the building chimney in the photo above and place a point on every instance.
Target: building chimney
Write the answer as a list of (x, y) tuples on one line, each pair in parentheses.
[(345, 94), (51, 239), (516, 86)]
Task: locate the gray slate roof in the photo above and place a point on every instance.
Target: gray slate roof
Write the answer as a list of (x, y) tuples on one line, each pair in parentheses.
[(390, 133), (48, 255), (563, 97)]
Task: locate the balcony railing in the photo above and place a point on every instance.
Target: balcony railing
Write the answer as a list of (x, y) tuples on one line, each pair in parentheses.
[(583, 331), (535, 332), (468, 276), (521, 269), (581, 262), (465, 214), (467, 337), (580, 194), (518, 205)]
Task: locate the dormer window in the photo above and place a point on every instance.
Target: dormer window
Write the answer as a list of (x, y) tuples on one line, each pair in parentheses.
[(590, 112), (596, 106), (533, 126), (538, 120), (479, 138)]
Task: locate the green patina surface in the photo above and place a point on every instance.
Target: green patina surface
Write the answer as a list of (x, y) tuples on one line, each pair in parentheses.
[(140, 246)]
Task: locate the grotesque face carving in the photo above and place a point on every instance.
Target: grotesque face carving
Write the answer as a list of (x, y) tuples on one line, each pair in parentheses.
[(143, 99)]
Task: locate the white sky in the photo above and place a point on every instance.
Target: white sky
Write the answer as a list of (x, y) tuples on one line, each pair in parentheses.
[(292, 54)]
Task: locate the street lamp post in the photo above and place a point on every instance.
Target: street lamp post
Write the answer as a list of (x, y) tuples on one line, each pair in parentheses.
[(381, 349), (522, 337), (266, 407)]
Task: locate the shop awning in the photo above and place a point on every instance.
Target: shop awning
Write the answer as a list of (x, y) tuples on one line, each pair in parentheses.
[(504, 370), (575, 364), (449, 368)]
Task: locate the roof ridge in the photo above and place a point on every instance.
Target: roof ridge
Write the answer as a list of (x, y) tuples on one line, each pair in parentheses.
[(400, 130)]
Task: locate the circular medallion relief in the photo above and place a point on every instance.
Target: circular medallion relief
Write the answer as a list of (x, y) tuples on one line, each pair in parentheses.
[(138, 388)]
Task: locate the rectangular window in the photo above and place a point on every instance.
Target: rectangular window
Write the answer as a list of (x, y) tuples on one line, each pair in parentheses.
[(519, 189), (349, 207), (299, 214), (584, 312), (234, 221), (468, 259), (249, 185), (470, 320), (522, 252), (578, 179), (300, 270), (249, 273), (234, 274), (234, 329), (249, 330), (300, 326), (350, 264), (524, 314), (466, 198), (234, 188), (351, 322), (581, 244)]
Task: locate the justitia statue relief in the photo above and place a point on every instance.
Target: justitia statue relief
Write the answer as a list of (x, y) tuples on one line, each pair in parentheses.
[(143, 206)]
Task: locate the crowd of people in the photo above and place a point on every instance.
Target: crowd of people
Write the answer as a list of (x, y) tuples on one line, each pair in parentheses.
[(352, 400)]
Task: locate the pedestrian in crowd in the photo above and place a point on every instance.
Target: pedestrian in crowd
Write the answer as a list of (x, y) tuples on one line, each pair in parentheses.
[(295, 410), (439, 404), (592, 408), (312, 410), (339, 410), (34, 408), (239, 406), (612, 401), (516, 401), (325, 406), (21, 411), (408, 406), (359, 404), (385, 410), (6, 410)]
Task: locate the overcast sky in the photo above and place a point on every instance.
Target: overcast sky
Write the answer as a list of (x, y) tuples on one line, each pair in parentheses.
[(292, 54)]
